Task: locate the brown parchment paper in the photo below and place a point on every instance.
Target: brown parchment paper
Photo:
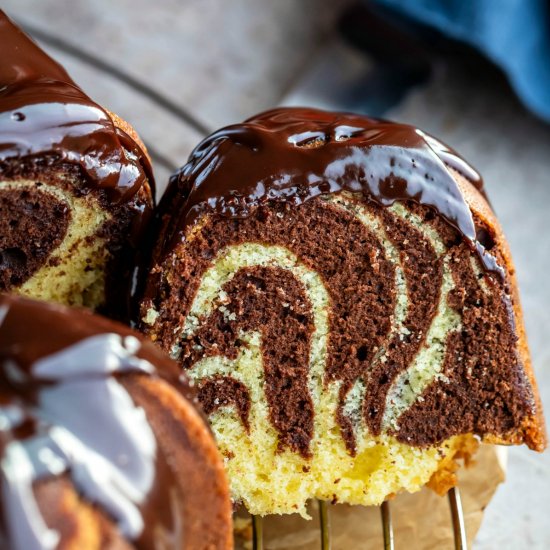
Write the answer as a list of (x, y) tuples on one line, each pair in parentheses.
[(420, 521)]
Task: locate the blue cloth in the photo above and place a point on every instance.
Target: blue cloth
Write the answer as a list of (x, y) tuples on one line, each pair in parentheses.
[(514, 34)]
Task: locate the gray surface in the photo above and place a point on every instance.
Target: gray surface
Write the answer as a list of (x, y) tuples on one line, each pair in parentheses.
[(226, 60)]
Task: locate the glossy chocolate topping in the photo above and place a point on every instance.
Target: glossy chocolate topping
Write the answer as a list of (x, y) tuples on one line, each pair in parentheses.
[(43, 112), (294, 154), (65, 410)]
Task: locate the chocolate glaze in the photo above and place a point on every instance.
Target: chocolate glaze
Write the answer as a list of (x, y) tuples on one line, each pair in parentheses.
[(43, 112), (64, 410), (295, 154)]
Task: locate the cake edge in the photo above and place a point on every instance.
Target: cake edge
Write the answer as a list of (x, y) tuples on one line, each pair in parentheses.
[(533, 428)]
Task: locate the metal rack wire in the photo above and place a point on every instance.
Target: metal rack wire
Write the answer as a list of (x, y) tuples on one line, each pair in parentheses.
[(457, 519)]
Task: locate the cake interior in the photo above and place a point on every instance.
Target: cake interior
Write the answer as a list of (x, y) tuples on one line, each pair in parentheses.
[(336, 442), (53, 241)]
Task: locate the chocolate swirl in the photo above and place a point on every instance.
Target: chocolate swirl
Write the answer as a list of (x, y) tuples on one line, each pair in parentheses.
[(268, 294), (391, 291), (29, 234), (369, 341)]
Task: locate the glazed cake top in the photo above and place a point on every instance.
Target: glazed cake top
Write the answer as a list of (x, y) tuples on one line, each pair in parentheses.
[(64, 411), (43, 112), (295, 154)]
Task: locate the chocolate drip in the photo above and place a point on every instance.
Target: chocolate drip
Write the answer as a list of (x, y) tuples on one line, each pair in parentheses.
[(294, 155), (43, 112), (453, 160), (65, 409)]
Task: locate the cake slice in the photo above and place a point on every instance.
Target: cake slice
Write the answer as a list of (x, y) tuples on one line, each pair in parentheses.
[(75, 185), (101, 444), (343, 296)]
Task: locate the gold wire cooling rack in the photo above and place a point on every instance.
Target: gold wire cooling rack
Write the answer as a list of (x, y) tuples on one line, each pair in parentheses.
[(87, 58), (457, 520)]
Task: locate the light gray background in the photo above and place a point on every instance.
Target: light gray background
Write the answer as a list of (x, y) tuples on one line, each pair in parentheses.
[(225, 60)]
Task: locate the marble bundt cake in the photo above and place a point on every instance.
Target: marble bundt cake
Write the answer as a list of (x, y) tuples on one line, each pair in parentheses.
[(342, 294), (101, 445), (74, 184)]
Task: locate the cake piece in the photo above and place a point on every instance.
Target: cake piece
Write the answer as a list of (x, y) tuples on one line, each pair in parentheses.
[(75, 185), (343, 296), (102, 446)]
